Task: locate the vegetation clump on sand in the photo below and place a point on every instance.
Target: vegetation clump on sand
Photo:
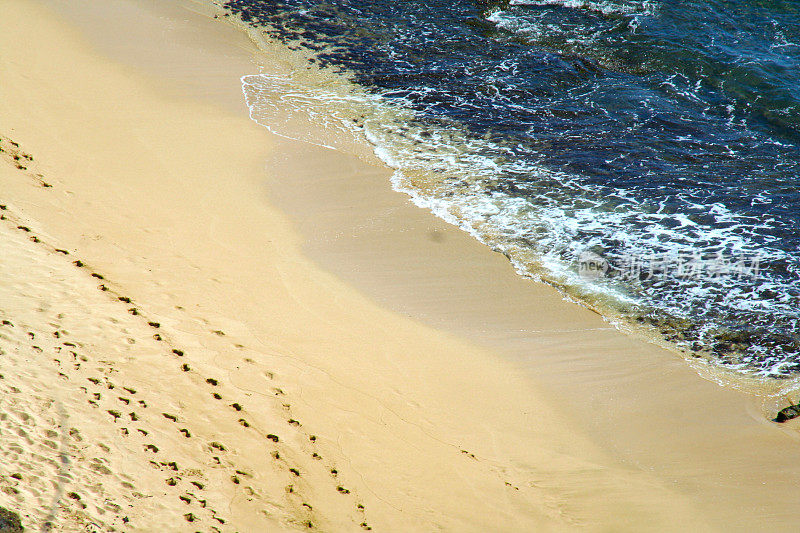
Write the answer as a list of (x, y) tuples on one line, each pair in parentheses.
[(10, 522)]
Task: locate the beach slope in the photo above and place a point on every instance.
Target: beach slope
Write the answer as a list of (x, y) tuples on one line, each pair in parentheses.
[(170, 358)]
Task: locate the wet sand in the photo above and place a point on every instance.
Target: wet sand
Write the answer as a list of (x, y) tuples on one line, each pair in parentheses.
[(256, 334)]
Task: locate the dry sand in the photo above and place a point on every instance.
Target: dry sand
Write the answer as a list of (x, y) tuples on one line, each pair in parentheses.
[(344, 362)]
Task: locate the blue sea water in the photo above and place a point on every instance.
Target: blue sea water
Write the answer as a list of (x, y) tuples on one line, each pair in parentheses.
[(641, 155)]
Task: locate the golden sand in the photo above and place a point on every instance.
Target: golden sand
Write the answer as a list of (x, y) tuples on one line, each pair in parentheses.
[(199, 331)]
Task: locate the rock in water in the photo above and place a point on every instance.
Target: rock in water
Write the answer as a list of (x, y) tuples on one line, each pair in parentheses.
[(9, 522), (787, 413)]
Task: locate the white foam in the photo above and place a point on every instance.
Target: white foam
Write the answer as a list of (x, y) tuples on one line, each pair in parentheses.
[(606, 7)]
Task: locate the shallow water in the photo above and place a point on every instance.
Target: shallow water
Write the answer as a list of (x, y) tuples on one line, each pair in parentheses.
[(640, 155)]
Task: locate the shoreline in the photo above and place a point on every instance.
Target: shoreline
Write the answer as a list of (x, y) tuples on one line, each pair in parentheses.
[(397, 134), (360, 146), (397, 375)]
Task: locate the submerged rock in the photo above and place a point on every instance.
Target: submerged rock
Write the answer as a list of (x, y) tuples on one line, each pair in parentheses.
[(787, 413), (9, 522)]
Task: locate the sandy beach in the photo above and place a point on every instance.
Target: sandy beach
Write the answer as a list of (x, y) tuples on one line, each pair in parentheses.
[(209, 327)]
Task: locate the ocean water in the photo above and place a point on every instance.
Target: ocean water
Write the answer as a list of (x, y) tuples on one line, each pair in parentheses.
[(641, 155)]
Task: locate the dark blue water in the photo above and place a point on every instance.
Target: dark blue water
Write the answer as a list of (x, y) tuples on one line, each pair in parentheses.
[(643, 156)]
